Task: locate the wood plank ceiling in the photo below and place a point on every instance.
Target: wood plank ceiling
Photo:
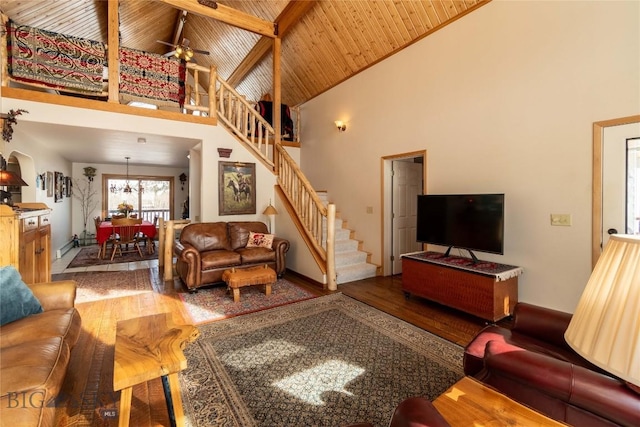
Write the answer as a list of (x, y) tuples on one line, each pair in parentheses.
[(331, 42)]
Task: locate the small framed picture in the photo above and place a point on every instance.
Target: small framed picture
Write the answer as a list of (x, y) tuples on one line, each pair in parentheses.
[(236, 188), (58, 187), (68, 184), (49, 184)]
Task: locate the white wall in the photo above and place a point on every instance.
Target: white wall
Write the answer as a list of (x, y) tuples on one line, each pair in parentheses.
[(503, 100)]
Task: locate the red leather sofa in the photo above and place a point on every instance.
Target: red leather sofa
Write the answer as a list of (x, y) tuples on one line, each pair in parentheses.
[(532, 364)]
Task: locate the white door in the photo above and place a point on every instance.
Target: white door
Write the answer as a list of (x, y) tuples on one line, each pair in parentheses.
[(615, 180), (406, 185)]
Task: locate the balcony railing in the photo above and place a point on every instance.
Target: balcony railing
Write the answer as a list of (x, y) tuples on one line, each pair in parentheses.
[(146, 214)]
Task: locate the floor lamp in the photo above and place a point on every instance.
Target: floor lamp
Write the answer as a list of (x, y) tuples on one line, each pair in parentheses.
[(605, 328), (271, 212)]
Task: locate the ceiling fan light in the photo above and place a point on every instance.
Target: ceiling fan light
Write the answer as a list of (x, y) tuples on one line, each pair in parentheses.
[(178, 50), (189, 53)]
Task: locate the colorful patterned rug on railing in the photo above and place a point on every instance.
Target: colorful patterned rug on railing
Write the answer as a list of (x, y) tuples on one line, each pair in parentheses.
[(54, 60), (148, 76), (501, 271)]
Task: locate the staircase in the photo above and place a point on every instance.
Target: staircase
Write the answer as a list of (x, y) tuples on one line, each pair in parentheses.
[(338, 255), (351, 263)]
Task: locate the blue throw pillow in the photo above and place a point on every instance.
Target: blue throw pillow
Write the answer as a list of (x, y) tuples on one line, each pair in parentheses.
[(16, 299)]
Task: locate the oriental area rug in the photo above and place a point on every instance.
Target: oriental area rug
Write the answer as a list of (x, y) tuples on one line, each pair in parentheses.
[(88, 257), (216, 302), (112, 284), (328, 361)]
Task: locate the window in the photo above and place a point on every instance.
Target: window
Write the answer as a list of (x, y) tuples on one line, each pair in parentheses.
[(150, 196)]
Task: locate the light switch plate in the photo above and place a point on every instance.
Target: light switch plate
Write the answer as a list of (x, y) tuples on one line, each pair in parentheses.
[(561, 220)]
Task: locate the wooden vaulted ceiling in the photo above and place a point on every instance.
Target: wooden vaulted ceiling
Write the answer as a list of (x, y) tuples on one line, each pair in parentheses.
[(323, 42)]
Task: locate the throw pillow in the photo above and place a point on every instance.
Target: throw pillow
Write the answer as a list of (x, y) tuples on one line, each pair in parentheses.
[(260, 240), (16, 299)]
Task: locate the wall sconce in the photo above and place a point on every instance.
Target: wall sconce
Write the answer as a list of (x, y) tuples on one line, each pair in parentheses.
[(183, 179), (340, 125)]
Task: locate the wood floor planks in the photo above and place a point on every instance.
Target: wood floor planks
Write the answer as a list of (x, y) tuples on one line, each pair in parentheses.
[(88, 389)]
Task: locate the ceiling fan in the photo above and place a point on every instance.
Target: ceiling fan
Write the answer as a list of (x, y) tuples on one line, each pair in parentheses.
[(183, 50)]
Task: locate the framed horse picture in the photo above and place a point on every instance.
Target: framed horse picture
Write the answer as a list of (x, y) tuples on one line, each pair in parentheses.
[(236, 188)]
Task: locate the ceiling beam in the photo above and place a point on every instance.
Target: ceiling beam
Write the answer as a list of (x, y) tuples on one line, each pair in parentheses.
[(227, 15), (290, 15)]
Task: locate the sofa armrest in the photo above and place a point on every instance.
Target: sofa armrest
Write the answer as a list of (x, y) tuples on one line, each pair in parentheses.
[(189, 263), (280, 246), (533, 378), (541, 323), (55, 295), (187, 252)]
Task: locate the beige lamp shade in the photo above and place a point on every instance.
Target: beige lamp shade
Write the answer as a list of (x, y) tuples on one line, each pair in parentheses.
[(270, 210), (605, 328)]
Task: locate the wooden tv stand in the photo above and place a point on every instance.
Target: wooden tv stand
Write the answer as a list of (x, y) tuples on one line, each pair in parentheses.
[(486, 290)]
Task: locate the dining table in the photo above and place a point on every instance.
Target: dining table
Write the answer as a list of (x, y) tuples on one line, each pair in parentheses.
[(107, 229)]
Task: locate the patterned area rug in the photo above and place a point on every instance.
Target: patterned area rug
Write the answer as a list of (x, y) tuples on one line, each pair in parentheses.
[(216, 303), (55, 60), (89, 256), (112, 284), (328, 361)]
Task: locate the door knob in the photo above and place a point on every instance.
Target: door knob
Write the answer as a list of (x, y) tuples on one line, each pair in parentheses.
[(612, 231)]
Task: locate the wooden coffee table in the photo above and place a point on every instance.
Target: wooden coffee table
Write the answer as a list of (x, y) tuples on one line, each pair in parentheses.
[(146, 348), (470, 403), (237, 278)]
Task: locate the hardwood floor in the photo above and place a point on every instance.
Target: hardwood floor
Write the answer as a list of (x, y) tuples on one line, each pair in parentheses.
[(88, 398)]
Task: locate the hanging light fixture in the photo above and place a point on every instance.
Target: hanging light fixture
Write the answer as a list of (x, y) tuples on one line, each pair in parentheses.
[(127, 189)]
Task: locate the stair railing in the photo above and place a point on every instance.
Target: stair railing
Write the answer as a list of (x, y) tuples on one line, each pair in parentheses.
[(193, 95), (241, 117), (244, 121), (311, 212)]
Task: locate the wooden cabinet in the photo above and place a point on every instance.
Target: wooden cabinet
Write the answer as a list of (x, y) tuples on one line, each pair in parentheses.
[(26, 240), (488, 296)]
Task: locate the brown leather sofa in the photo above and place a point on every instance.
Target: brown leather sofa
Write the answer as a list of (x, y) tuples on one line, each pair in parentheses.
[(205, 250), (35, 353), (532, 364)]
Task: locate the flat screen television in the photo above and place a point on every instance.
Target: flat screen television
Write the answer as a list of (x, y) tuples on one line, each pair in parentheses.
[(474, 222)]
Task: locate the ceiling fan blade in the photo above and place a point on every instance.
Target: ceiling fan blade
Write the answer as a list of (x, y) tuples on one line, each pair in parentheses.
[(169, 54), (203, 52), (165, 43)]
